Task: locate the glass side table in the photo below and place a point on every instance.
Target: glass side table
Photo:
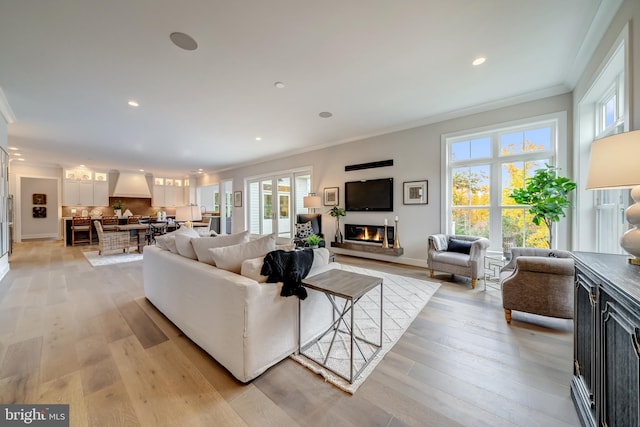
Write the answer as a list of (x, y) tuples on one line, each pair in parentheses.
[(492, 266)]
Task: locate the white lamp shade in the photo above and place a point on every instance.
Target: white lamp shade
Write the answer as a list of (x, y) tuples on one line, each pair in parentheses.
[(188, 213), (312, 201), (615, 162)]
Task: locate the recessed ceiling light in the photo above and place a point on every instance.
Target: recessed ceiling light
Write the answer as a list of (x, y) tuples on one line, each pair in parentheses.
[(16, 154), (183, 41), (258, 138), (21, 159), (141, 170), (325, 114), (13, 148), (479, 61), (279, 85), (133, 103)]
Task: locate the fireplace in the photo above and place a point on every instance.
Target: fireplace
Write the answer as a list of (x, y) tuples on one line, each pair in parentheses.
[(367, 233)]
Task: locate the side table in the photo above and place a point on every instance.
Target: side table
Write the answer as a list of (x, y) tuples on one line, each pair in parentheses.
[(349, 287), (492, 266)]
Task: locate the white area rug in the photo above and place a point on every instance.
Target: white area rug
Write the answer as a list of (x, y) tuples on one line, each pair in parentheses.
[(111, 258), (403, 299)]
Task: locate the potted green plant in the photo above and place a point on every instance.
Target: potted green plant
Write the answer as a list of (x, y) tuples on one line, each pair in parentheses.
[(313, 241), (337, 212), (117, 207), (546, 193)]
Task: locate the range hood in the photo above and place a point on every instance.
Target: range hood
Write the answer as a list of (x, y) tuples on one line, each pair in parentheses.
[(132, 185)]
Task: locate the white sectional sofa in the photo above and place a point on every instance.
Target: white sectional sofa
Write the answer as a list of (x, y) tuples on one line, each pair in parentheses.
[(241, 322)]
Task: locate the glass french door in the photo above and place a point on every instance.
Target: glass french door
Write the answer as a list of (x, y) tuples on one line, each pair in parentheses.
[(269, 209)]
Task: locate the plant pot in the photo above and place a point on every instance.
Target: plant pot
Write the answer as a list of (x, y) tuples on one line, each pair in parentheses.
[(117, 212)]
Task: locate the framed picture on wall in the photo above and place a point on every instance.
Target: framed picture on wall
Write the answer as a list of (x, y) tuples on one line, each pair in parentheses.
[(237, 199), (415, 192), (39, 212), (39, 199), (331, 196)]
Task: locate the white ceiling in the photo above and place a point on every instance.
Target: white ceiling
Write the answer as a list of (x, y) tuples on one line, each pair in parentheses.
[(68, 68)]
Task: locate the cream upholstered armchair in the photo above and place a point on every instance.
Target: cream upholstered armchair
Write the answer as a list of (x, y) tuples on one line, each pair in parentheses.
[(111, 241), (455, 254), (538, 281)]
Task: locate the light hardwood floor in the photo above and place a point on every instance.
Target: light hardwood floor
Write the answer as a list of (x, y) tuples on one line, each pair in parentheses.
[(71, 333)]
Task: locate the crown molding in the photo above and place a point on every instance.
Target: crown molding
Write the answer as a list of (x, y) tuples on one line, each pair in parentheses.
[(5, 109), (599, 26)]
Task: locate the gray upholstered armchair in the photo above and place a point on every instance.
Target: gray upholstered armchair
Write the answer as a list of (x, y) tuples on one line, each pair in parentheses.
[(461, 255), (538, 281)]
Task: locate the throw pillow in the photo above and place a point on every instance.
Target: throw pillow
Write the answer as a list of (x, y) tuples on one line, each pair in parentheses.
[(251, 269), (230, 258), (202, 245), (287, 248), (304, 230), (184, 246), (161, 241), (460, 246)]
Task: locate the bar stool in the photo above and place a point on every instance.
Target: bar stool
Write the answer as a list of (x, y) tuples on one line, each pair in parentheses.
[(134, 219), (110, 223), (82, 225)]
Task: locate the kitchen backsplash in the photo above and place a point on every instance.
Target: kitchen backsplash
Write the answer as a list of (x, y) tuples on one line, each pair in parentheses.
[(135, 205)]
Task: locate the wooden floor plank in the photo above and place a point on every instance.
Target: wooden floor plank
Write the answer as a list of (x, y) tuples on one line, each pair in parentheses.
[(66, 390), (144, 329), (196, 394), (111, 407), (72, 333)]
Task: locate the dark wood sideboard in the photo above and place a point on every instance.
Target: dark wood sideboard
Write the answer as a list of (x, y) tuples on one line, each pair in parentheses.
[(606, 383)]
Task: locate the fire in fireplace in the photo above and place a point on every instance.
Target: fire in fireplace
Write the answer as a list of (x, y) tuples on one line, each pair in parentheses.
[(367, 233)]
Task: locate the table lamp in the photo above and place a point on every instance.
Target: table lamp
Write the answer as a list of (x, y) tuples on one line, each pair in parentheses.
[(311, 201), (187, 214), (614, 165)]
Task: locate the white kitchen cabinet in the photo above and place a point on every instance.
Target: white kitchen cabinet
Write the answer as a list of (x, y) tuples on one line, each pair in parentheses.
[(81, 187), (77, 193), (168, 192)]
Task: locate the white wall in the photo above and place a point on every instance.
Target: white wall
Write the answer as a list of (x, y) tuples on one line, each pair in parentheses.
[(17, 171), (627, 15), (38, 228), (4, 261), (417, 156)]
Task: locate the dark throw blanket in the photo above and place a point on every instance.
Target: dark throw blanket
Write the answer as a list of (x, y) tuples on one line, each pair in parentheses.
[(289, 268)]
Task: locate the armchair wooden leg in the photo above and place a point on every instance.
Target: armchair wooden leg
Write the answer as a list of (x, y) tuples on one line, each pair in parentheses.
[(507, 315), (473, 283), (431, 273)]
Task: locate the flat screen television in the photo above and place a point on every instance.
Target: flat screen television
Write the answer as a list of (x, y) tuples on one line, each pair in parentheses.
[(373, 195)]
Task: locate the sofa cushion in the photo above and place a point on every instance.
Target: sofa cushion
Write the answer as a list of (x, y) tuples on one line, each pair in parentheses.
[(251, 269), (460, 246), (304, 230), (162, 241), (184, 246), (202, 245), (230, 258), (455, 258)]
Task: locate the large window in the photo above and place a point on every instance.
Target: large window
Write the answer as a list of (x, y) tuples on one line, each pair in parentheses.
[(484, 168), (610, 204)]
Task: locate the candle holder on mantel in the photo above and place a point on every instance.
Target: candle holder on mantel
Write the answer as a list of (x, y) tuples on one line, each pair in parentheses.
[(385, 240), (396, 240)]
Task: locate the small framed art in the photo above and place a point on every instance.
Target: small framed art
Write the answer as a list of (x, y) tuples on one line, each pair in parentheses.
[(416, 192), (331, 196), (39, 212), (237, 199), (39, 199)]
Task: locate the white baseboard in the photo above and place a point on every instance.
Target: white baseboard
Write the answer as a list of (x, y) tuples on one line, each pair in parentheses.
[(40, 236)]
